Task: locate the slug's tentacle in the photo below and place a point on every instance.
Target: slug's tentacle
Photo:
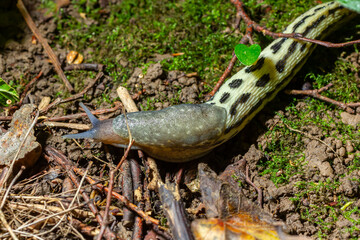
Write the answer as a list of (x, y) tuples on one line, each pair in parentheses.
[(94, 121), (185, 132), (101, 130)]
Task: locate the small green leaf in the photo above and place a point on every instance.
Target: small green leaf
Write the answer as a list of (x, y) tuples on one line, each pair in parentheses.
[(351, 4), (247, 55), (7, 94)]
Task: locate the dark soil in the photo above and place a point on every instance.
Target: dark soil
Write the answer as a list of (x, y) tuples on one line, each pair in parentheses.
[(326, 158)]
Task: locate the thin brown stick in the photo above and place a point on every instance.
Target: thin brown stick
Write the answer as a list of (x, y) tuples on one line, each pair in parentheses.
[(316, 94), (7, 226), (121, 198), (53, 155), (108, 203), (75, 96), (248, 180), (85, 66), (44, 43), (125, 155), (10, 186)]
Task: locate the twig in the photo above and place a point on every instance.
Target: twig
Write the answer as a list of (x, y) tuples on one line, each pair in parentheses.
[(127, 191), (121, 198), (85, 66), (71, 203), (138, 193), (316, 94), (75, 96), (312, 137), (53, 154), (248, 180), (124, 156), (44, 43), (108, 203), (10, 186), (7, 226), (76, 126)]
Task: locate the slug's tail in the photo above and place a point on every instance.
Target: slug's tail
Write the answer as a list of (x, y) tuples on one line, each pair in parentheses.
[(90, 133)]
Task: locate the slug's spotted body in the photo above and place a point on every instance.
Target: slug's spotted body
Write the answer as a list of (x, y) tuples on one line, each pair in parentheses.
[(247, 92), (185, 132)]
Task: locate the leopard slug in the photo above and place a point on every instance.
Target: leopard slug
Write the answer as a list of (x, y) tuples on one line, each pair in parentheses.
[(188, 131)]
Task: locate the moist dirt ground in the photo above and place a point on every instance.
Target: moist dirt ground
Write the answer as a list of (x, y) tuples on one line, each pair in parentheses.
[(318, 199)]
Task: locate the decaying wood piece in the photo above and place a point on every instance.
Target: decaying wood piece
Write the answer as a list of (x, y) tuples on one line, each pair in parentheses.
[(11, 141)]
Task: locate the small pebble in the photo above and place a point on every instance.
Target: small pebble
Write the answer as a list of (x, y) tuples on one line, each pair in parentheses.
[(342, 152)]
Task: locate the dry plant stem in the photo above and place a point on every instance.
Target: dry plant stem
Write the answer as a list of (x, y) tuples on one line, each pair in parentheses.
[(44, 43), (314, 138), (10, 186), (7, 226), (43, 219), (127, 191), (6, 118), (60, 159), (316, 94), (138, 196), (248, 180), (127, 100), (75, 96), (48, 217), (70, 205), (17, 153), (108, 203), (125, 156), (121, 198), (85, 66), (78, 213), (77, 126)]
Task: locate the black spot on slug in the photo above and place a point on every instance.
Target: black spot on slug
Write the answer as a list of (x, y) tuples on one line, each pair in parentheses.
[(280, 65), (242, 99), (224, 97), (303, 47), (276, 47), (257, 66), (318, 8), (269, 95), (298, 24), (335, 9), (235, 83), (263, 80), (314, 24)]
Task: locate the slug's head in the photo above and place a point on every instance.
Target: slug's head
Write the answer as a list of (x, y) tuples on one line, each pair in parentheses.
[(102, 131)]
